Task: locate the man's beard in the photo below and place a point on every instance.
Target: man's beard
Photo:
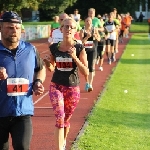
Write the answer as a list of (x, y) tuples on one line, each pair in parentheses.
[(12, 39)]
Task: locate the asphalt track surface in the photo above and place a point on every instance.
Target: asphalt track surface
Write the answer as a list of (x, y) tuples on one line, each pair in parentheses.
[(44, 119)]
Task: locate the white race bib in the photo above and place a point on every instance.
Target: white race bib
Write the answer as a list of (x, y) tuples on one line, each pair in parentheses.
[(88, 44), (64, 64), (17, 86)]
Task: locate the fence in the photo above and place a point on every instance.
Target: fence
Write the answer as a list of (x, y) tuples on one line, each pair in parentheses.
[(36, 32)]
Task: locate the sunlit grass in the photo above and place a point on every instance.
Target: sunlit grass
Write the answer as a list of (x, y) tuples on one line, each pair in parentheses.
[(121, 121)]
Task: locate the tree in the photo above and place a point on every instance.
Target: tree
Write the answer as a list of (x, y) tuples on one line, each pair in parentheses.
[(50, 8), (17, 5)]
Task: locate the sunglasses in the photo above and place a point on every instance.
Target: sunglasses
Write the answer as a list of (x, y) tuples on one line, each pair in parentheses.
[(68, 27), (61, 19)]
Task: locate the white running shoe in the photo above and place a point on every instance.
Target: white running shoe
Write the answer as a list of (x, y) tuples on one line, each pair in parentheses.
[(101, 68)]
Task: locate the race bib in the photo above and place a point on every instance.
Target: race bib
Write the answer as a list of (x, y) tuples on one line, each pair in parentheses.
[(17, 86), (64, 64), (88, 44)]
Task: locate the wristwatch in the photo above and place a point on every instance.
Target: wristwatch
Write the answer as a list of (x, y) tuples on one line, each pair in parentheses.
[(37, 80)]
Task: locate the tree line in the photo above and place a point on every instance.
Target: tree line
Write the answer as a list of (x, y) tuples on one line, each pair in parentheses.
[(50, 8)]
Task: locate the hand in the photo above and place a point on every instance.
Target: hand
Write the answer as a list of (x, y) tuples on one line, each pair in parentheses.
[(95, 35), (46, 60), (3, 74), (72, 52), (47, 57), (89, 34), (38, 88)]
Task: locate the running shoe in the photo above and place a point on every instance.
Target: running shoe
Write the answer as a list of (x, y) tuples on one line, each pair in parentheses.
[(86, 87), (90, 88), (116, 50), (109, 61), (100, 68), (113, 58), (64, 147)]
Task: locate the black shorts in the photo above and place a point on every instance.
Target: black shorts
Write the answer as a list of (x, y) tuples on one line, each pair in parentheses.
[(110, 42)]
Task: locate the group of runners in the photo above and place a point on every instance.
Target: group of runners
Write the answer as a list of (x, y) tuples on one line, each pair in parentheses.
[(99, 35), (72, 49)]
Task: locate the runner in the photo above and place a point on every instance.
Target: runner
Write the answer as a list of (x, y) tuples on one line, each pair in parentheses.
[(56, 34), (122, 28), (101, 47), (111, 27), (89, 37), (97, 24), (19, 64), (118, 22), (77, 16), (55, 24), (127, 20), (66, 58)]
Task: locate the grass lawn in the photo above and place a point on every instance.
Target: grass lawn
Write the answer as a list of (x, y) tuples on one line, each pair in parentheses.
[(119, 120), (135, 27)]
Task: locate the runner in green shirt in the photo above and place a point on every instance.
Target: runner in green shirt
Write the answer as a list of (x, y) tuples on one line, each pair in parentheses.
[(55, 24)]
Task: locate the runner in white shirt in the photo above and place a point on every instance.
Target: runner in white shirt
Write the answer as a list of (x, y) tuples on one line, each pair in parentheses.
[(110, 25), (56, 34)]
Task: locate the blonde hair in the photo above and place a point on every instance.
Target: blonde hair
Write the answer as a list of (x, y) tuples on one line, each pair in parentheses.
[(91, 9), (67, 19)]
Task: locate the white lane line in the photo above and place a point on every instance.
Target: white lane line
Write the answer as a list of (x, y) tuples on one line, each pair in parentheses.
[(40, 98), (45, 51), (43, 107)]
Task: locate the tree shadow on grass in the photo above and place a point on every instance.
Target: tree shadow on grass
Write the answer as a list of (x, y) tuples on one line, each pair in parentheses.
[(135, 61)]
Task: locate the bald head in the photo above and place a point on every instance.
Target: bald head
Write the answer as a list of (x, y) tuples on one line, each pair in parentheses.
[(63, 16)]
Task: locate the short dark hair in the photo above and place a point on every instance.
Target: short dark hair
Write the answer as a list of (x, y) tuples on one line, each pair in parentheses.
[(76, 10)]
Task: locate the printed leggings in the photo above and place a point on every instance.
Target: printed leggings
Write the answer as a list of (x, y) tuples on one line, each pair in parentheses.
[(64, 101)]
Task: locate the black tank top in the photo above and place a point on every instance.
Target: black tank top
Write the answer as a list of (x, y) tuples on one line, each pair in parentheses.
[(90, 40), (66, 71)]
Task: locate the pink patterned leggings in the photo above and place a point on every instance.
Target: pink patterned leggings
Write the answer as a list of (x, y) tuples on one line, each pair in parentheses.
[(64, 101)]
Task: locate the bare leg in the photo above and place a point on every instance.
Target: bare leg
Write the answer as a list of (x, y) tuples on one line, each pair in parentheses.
[(66, 131), (59, 138)]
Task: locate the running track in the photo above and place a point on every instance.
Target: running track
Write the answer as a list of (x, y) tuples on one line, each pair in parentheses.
[(44, 120)]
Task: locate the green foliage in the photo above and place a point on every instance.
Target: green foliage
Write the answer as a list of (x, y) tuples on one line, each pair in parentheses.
[(17, 5), (103, 6), (50, 8)]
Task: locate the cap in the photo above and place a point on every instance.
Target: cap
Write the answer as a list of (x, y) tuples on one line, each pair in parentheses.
[(10, 16)]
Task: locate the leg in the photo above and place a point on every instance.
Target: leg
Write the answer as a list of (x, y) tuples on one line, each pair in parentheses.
[(91, 62), (108, 52), (87, 77), (102, 50), (4, 134), (117, 41), (57, 101), (21, 132), (112, 42), (71, 99)]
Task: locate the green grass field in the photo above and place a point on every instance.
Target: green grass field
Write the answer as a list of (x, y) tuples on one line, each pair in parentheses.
[(119, 120), (135, 27)]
